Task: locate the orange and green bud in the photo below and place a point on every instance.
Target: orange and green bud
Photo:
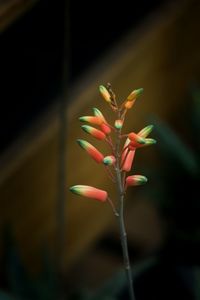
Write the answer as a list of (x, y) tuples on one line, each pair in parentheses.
[(104, 125), (99, 114), (91, 120), (109, 160), (90, 192), (135, 180), (91, 150), (118, 124), (136, 140), (134, 94), (105, 94), (145, 131), (98, 134)]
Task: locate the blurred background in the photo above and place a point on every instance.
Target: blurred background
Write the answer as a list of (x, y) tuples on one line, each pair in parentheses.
[(54, 55)]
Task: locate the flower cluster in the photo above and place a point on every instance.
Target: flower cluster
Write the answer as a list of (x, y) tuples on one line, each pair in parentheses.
[(120, 159)]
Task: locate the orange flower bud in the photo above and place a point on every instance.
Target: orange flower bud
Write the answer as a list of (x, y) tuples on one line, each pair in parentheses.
[(91, 120), (98, 134), (134, 94), (91, 150), (90, 192), (135, 180), (104, 93)]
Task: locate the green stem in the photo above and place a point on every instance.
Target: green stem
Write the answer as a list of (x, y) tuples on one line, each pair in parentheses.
[(123, 235)]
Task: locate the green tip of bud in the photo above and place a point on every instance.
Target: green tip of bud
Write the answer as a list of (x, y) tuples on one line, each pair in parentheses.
[(150, 127), (150, 141), (85, 128), (143, 179), (102, 88), (95, 109), (80, 142), (106, 161), (139, 91)]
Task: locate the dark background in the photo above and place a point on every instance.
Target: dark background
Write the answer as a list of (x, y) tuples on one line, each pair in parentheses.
[(33, 48)]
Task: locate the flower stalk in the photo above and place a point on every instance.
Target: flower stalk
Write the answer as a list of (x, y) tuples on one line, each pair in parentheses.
[(117, 163), (122, 229)]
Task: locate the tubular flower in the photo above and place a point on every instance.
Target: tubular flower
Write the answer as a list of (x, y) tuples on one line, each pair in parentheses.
[(91, 120), (130, 100), (99, 114), (104, 93), (127, 165), (134, 94), (127, 157), (109, 160), (125, 149), (118, 124), (136, 140), (139, 141), (90, 192), (91, 150), (105, 127), (135, 180), (145, 131), (98, 134)]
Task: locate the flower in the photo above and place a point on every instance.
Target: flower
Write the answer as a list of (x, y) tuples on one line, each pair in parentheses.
[(104, 93), (105, 127), (91, 150), (91, 120), (134, 94), (119, 124), (136, 140), (98, 134), (135, 180), (130, 100), (127, 157), (90, 192), (109, 160), (145, 131), (99, 114)]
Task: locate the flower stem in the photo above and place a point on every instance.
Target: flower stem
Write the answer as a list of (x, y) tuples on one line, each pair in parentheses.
[(123, 235)]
